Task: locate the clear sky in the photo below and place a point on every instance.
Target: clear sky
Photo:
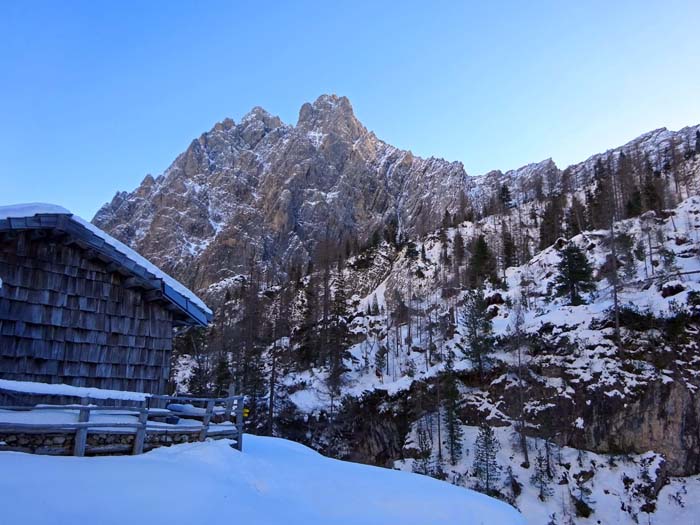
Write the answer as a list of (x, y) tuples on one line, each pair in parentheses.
[(94, 95)]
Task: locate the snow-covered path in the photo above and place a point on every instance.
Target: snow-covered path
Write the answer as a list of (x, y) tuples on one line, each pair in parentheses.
[(273, 481)]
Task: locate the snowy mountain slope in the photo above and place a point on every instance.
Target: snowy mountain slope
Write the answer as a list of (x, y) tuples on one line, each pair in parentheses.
[(272, 481), (621, 489), (678, 234), (581, 389)]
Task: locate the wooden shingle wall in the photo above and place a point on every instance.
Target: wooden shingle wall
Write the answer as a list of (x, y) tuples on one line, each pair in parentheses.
[(65, 318)]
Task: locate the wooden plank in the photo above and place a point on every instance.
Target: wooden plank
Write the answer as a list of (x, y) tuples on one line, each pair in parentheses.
[(43, 428), (206, 420), (229, 402)]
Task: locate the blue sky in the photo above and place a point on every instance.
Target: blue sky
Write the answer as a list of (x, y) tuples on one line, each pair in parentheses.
[(94, 95)]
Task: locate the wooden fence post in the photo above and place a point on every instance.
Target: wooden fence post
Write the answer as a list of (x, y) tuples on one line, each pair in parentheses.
[(229, 402), (140, 435), (81, 433), (239, 421), (206, 420)]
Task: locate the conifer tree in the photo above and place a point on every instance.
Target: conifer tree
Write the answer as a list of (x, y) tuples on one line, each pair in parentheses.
[(458, 249), (550, 227), (540, 478), (380, 360), (338, 337), (478, 331), (505, 197), (453, 429), (422, 465), (575, 274), (222, 376), (485, 468), (375, 305), (306, 337), (198, 384), (508, 245), (482, 265)]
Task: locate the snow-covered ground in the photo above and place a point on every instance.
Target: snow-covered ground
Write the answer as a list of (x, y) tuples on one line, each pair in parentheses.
[(273, 481), (616, 482)]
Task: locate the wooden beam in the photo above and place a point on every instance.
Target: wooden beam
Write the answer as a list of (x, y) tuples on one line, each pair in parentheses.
[(153, 295)]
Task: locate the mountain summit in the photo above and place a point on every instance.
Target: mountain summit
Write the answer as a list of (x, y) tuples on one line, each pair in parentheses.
[(273, 192)]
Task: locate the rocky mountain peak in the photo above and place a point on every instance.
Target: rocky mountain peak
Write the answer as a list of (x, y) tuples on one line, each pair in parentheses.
[(330, 114), (261, 115)]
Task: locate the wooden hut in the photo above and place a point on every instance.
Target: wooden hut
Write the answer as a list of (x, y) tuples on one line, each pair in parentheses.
[(80, 308)]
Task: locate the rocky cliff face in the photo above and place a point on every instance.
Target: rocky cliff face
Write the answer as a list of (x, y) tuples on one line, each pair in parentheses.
[(265, 190)]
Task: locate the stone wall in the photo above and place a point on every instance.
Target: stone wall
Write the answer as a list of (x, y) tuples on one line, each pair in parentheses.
[(97, 443)]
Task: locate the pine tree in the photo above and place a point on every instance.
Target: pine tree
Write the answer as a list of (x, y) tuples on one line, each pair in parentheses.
[(575, 218), (485, 468), (380, 360), (478, 331), (509, 256), (198, 384), (505, 197), (514, 486), (540, 479), (222, 376), (306, 337), (550, 227), (575, 274), (602, 204), (482, 265), (458, 249), (421, 464), (453, 428), (195, 344), (518, 342), (338, 338)]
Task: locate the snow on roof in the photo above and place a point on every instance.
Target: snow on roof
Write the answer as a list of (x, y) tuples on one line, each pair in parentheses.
[(30, 387), (31, 209)]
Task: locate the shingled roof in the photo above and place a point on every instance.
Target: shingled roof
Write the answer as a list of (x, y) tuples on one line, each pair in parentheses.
[(188, 308)]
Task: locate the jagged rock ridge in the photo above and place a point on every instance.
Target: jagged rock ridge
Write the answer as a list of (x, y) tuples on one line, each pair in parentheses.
[(272, 191)]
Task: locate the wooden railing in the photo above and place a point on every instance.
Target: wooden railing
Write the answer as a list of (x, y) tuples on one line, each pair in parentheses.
[(230, 406)]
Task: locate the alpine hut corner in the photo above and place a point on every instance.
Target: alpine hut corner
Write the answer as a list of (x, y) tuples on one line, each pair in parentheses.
[(80, 308)]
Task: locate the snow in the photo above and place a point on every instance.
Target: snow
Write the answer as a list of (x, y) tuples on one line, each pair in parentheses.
[(272, 481), (68, 390), (611, 500), (28, 210), (43, 415)]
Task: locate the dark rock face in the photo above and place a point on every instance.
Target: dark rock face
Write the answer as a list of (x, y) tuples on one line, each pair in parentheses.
[(663, 419)]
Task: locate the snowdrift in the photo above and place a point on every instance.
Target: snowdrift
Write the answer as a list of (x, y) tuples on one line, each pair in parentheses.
[(273, 481)]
